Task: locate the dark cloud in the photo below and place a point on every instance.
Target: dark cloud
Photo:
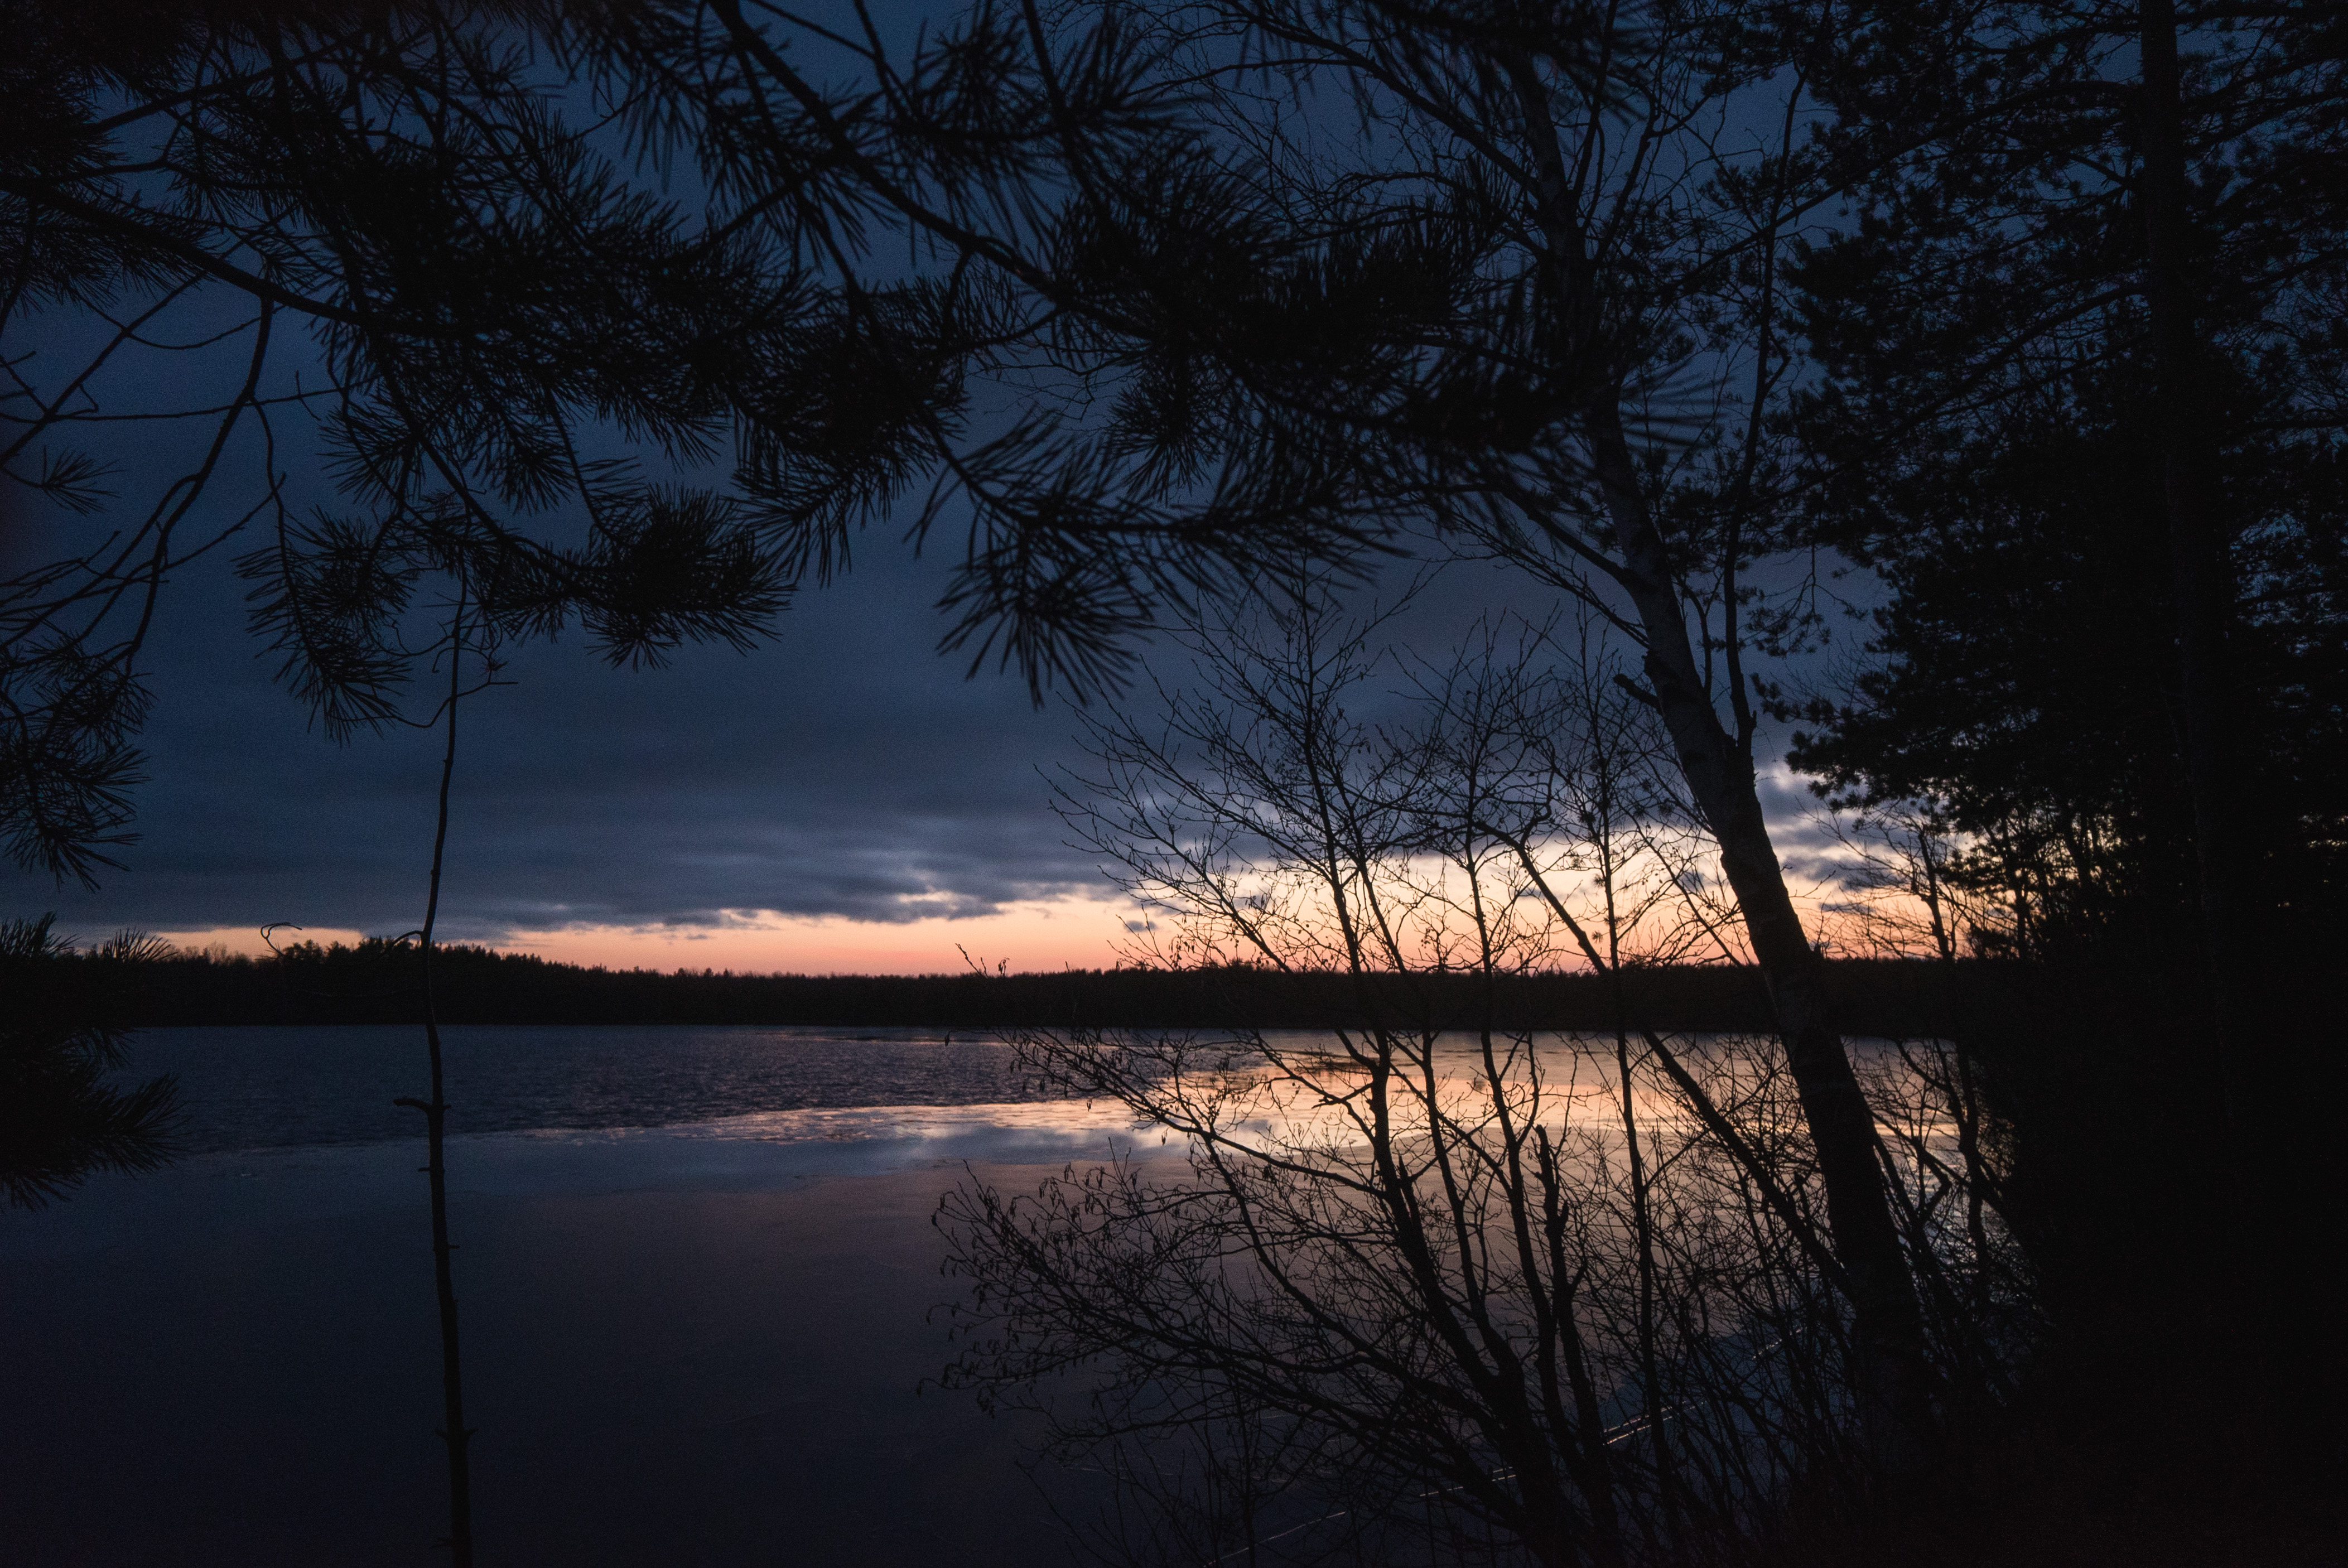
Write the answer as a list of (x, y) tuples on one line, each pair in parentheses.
[(845, 768)]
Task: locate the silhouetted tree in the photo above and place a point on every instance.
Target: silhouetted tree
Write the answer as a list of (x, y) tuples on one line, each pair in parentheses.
[(455, 1435), (1507, 1294), (403, 247), (2081, 400), (2107, 239), (2026, 688), (353, 240), (1478, 307)]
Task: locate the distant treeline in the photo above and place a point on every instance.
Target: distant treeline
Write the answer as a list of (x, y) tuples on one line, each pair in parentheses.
[(375, 983)]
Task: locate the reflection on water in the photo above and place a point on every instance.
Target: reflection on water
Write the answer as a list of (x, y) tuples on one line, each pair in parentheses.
[(274, 1088), (292, 1086), (942, 1125)]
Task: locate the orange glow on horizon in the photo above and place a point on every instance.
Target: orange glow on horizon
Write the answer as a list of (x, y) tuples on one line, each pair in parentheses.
[(1069, 933), (1063, 933), (1043, 935)]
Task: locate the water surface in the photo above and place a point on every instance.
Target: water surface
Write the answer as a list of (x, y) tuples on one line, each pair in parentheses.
[(255, 1088), (265, 1087)]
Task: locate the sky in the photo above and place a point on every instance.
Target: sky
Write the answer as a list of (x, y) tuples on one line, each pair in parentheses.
[(840, 800), (843, 799)]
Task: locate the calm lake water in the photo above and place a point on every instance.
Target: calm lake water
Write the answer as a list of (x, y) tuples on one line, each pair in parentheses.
[(300, 1086), (698, 1274), (697, 1271), (294, 1087)]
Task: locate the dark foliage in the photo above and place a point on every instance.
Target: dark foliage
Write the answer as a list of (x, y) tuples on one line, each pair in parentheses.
[(2034, 411), (430, 249), (2027, 691), (1996, 426), (364, 231), (65, 1021)]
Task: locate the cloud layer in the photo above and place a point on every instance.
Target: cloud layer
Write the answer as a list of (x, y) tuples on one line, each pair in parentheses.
[(844, 769)]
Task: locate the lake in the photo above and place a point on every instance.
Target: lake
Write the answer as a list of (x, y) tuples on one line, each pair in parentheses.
[(698, 1277), (282, 1088), (697, 1270)]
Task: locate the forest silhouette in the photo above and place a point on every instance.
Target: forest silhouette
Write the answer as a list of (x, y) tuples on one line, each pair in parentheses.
[(373, 982)]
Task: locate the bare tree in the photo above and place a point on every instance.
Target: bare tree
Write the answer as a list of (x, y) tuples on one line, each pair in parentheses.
[(1512, 273), (1424, 1282), (455, 1435)]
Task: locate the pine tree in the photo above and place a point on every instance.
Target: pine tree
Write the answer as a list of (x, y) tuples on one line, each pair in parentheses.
[(62, 1038)]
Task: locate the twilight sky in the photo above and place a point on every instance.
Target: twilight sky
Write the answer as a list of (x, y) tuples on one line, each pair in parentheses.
[(842, 799), (843, 782)]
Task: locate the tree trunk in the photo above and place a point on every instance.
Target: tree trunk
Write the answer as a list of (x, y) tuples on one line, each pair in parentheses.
[(1890, 1377), (455, 1435), (2198, 559)]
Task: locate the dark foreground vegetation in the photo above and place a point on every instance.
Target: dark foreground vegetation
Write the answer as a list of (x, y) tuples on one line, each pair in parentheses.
[(2117, 1311), (66, 1022)]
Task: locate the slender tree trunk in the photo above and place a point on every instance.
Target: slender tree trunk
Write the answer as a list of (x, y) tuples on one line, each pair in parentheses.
[(1890, 1376), (453, 1432), (1642, 1204), (2198, 558)]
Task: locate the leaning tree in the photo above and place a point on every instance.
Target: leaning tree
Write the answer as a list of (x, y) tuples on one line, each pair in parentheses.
[(1509, 275), (1434, 1281)]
